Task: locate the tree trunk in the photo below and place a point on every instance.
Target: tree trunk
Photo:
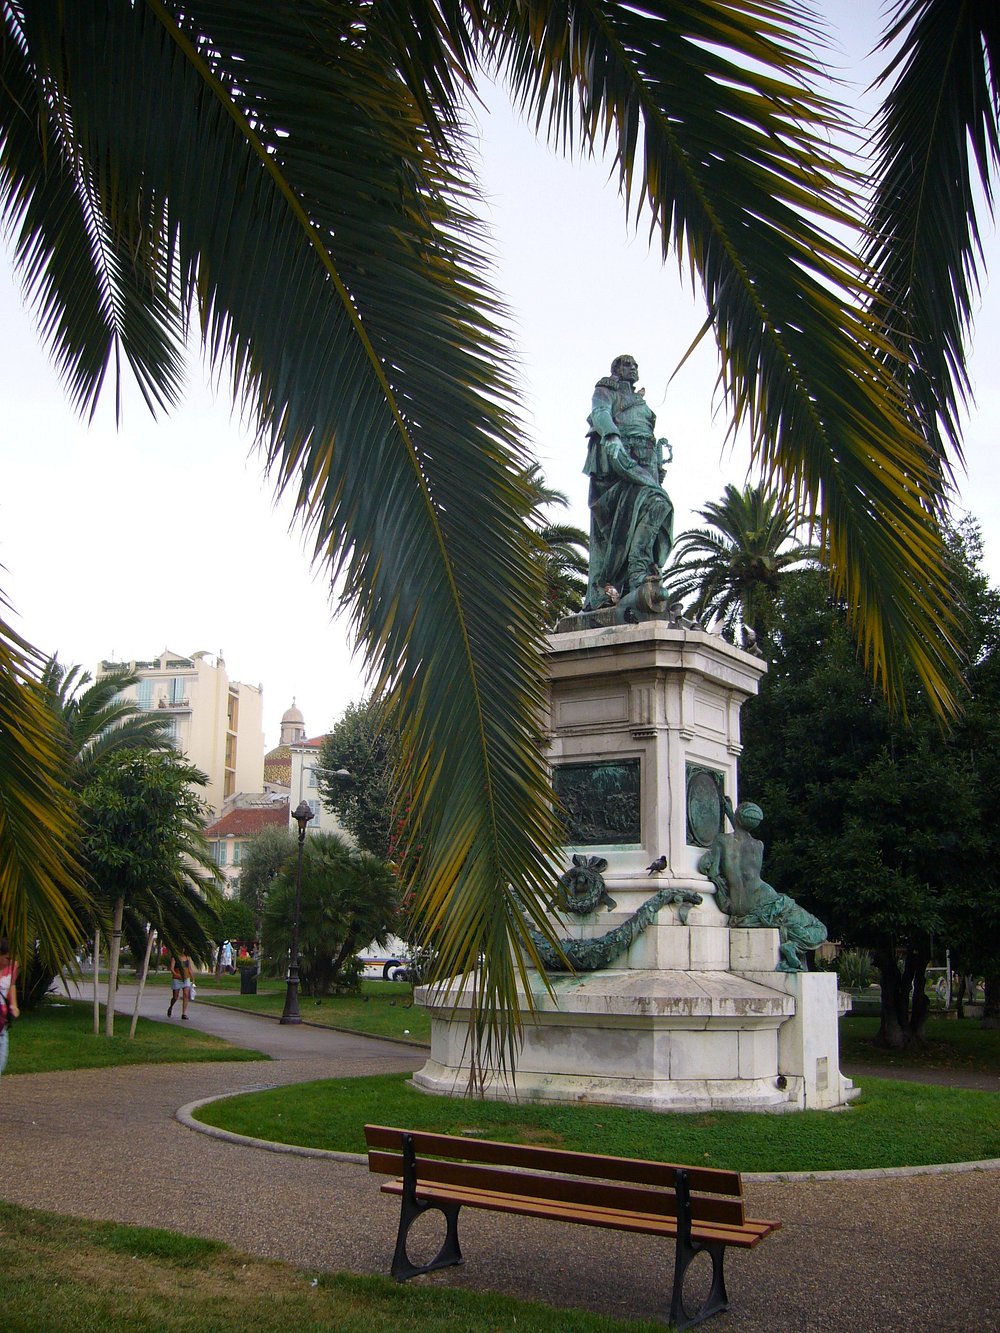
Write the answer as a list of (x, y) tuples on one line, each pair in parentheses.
[(113, 953), (918, 957), (991, 1000), (892, 1028), (150, 937), (97, 969), (960, 995)]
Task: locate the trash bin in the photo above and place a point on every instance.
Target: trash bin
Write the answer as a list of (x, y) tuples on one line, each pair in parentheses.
[(248, 980)]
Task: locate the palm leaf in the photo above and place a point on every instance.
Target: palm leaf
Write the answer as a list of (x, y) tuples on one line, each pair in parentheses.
[(936, 132), (40, 894), (300, 198), (717, 131), (97, 718)]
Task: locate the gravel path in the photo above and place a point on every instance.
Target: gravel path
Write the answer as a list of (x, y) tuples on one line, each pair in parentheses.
[(915, 1252)]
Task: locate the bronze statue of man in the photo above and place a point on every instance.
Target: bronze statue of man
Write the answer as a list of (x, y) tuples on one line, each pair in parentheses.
[(733, 863), (631, 516)]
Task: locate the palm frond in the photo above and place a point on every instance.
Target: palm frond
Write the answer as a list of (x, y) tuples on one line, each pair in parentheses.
[(719, 133), (937, 132), (733, 569), (308, 194), (40, 893), (97, 718)]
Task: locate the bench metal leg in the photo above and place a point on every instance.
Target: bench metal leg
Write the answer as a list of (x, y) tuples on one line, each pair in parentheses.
[(410, 1209), (686, 1249)]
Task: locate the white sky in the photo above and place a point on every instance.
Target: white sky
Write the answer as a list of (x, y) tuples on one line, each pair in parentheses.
[(163, 534)]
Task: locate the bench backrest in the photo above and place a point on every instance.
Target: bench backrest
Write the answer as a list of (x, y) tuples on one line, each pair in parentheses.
[(554, 1173)]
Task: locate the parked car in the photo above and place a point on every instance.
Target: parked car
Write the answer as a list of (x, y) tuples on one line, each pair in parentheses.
[(389, 964)]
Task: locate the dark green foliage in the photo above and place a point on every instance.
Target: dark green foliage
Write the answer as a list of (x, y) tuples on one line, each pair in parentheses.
[(236, 922), (884, 826), (349, 898), (365, 748)]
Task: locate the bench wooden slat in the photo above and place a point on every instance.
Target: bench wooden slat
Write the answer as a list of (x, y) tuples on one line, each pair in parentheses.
[(707, 1180), (561, 1189), (746, 1236)]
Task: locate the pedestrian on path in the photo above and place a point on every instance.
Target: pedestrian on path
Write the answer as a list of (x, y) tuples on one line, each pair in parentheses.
[(8, 998), (181, 983)]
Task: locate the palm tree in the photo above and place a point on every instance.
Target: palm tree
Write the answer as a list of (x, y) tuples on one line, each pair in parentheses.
[(97, 719), (734, 567), (293, 179), (562, 551), (96, 724)]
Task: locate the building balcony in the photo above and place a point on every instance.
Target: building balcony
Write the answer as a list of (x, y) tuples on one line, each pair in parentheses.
[(174, 705)]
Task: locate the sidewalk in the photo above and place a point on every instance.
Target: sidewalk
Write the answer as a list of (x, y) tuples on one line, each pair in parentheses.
[(854, 1255)]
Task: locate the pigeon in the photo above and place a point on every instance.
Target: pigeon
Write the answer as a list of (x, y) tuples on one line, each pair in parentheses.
[(656, 866)]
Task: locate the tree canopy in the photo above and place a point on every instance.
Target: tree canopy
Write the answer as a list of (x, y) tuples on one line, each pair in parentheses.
[(357, 763), (885, 829)]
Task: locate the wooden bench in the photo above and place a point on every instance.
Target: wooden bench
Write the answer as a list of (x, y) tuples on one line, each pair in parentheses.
[(700, 1207)]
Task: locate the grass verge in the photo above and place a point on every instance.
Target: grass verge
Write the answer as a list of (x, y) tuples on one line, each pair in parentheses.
[(950, 1044), (892, 1124), (63, 1273), (60, 1035), (383, 1009)]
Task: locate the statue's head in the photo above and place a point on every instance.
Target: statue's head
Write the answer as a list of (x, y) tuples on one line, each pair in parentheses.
[(748, 814), (625, 367)]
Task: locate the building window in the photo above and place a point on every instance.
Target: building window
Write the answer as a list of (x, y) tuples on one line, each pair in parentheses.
[(144, 694), (313, 778), (177, 689), (219, 853)]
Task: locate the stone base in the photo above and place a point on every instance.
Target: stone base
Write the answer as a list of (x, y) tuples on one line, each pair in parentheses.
[(742, 1038)]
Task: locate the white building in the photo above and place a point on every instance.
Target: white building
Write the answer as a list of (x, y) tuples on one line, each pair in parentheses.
[(230, 835), (216, 723), (304, 786)]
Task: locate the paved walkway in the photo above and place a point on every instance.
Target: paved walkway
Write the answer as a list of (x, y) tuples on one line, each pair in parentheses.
[(855, 1256)]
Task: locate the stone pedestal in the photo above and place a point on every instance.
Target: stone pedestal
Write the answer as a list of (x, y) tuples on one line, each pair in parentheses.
[(644, 724)]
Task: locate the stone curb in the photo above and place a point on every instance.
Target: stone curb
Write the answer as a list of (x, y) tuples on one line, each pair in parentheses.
[(185, 1115)]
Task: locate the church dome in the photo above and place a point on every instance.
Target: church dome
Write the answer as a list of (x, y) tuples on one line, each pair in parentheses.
[(292, 716)]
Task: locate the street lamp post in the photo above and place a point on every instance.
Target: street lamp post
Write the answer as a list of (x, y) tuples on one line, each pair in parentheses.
[(290, 1014)]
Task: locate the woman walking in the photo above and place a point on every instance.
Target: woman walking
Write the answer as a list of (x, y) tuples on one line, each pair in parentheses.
[(181, 977)]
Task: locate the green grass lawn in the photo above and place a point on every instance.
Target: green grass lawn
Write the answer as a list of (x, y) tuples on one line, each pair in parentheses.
[(76, 1276), (892, 1124), (60, 1035), (383, 1009), (951, 1044), (225, 981)]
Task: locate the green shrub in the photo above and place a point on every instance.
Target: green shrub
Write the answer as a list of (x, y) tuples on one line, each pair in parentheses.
[(855, 969)]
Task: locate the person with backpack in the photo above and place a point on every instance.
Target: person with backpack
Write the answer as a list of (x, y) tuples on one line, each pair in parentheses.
[(8, 997)]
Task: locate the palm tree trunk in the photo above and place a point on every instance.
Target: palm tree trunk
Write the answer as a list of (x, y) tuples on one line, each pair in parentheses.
[(113, 954), (97, 969), (150, 937)]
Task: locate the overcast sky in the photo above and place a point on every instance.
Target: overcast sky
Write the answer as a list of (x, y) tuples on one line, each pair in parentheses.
[(164, 534)]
